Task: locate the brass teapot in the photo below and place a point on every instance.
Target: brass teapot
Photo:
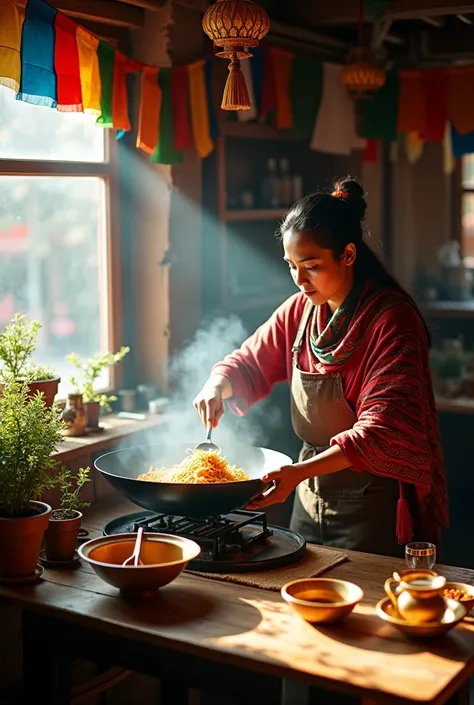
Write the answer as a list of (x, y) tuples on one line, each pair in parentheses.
[(418, 595)]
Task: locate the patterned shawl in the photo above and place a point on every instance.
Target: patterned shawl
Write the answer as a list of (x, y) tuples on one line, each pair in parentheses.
[(396, 434)]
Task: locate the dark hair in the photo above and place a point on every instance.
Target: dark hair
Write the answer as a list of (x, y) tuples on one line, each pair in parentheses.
[(334, 219)]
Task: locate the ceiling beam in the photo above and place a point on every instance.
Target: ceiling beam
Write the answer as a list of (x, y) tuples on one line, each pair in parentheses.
[(117, 14), (348, 10), (145, 4), (117, 36)]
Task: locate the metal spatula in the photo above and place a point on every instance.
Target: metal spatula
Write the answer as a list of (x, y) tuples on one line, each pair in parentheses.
[(208, 444)]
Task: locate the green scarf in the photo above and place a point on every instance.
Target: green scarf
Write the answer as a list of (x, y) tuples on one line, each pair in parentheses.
[(326, 346)]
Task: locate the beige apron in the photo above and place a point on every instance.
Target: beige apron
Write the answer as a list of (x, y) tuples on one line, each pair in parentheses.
[(347, 509)]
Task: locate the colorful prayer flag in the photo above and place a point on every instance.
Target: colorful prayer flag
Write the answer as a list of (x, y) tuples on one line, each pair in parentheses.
[(460, 98), (106, 56), (38, 77), (411, 102), (282, 62), (306, 90), (89, 73), (199, 110), (150, 109), (66, 65), (182, 132), (11, 22), (380, 115), (165, 153), (335, 126)]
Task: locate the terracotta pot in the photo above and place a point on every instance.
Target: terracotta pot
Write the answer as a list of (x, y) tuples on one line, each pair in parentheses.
[(60, 539), (93, 414), (48, 387), (20, 542)]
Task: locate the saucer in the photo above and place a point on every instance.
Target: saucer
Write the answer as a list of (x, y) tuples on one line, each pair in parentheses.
[(58, 564), (26, 580), (454, 613)]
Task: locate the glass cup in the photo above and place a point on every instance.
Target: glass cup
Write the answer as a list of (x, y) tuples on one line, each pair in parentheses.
[(420, 555)]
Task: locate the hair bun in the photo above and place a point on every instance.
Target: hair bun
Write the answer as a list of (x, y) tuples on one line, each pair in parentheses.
[(356, 195)]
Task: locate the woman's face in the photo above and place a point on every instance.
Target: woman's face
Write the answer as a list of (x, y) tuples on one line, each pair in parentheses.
[(316, 271)]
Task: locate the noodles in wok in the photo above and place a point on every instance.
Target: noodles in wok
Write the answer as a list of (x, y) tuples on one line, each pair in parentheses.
[(200, 467)]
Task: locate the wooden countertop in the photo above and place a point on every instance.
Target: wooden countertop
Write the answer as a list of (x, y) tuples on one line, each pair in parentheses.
[(255, 630)]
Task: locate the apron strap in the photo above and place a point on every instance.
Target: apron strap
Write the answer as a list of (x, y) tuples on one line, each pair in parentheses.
[(296, 348)]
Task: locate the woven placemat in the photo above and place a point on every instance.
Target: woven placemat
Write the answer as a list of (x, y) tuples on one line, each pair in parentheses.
[(316, 561)]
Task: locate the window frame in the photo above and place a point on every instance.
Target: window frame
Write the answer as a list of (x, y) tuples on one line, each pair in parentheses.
[(108, 170)]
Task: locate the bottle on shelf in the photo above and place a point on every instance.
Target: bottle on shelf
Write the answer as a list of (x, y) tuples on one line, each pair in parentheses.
[(270, 185), (285, 184), (297, 187)]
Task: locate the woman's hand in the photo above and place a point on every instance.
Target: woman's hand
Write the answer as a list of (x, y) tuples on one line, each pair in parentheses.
[(209, 403), (285, 480), (288, 477)]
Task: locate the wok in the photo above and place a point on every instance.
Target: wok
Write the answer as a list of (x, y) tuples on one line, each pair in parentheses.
[(121, 468)]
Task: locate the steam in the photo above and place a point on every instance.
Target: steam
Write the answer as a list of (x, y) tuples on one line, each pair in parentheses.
[(189, 371)]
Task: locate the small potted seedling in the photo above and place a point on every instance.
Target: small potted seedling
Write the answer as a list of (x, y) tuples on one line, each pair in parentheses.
[(60, 539), (85, 383), (17, 345)]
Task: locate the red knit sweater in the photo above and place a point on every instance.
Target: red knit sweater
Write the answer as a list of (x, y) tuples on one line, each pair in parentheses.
[(386, 381)]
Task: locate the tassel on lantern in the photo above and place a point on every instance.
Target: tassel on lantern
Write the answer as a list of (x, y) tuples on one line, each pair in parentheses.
[(236, 95)]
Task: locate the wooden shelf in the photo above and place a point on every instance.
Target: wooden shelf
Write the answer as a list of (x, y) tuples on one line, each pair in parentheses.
[(461, 405), (254, 214), (448, 309), (115, 430)]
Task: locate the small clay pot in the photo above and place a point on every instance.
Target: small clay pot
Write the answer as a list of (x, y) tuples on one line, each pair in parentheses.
[(60, 539), (74, 416), (93, 410)]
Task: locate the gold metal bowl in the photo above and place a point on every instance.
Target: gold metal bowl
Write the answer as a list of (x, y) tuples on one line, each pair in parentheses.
[(468, 599), (322, 600), (163, 556), (454, 613)]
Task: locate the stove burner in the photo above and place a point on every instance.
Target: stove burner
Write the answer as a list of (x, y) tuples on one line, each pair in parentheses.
[(237, 542), (217, 536)]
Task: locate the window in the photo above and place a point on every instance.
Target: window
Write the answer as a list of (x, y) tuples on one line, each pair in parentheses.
[(467, 209), (54, 230)]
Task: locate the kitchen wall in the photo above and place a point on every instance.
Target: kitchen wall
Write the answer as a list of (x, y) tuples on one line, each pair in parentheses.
[(421, 212)]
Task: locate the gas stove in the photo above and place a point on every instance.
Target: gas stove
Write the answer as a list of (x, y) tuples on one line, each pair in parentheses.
[(237, 542)]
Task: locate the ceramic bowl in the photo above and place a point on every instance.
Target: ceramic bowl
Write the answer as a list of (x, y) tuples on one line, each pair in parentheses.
[(164, 557), (454, 613), (322, 600), (468, 598)]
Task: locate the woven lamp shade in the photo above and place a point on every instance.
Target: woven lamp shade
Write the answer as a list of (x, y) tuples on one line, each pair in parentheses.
[(362, 77), (235, 26)]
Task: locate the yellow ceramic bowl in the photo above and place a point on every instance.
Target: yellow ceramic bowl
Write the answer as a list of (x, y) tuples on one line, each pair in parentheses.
[(454, 613), (322, 600), (467, 599), (164, 557)]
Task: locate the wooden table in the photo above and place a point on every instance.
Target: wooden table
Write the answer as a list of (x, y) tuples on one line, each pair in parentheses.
[(242, 641)]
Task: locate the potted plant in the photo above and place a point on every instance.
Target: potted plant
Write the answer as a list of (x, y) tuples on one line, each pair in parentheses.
[(89, 372), (61, 535), (29, 434), (17, 345)]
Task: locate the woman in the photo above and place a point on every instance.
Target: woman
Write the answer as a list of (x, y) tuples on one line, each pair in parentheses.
[(355, 350)]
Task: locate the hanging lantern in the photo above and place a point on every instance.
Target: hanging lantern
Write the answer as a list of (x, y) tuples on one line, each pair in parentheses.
[(235, 26), (362, 77)]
